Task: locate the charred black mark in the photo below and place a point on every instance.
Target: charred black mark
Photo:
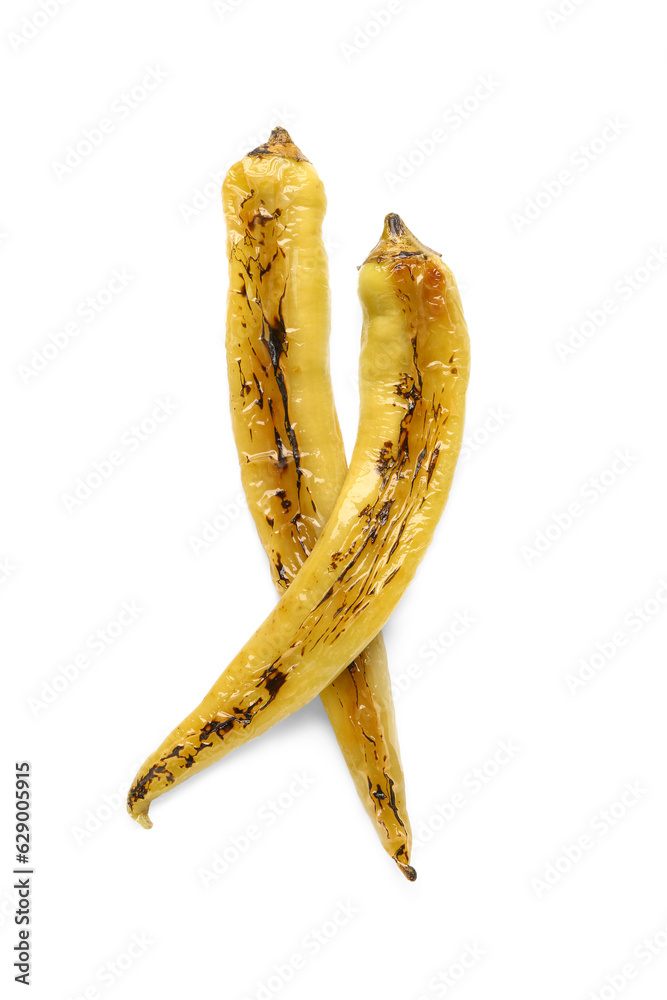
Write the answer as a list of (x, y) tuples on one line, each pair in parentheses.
[(269, 521), (390, 577), (378, 794), (273, 681), (342, 608), (381, 517), (408, 389), (395, 225), (420, 458), (385, 458), (353, 669), (257, 358), (245, 386), (281, 454), (141, 788), (261, 217), (326, 596), (276, 342), (245, 264), (392, 801), (375, 519), (265, 270), (244, 715), (280, 569), (411, 391), (352, 561), (302, 535), (337, 557), (217, 728), (285, 503), (431, 464), (415, 361), (247, 197), (260, 392), (406, 868), (397, 541)]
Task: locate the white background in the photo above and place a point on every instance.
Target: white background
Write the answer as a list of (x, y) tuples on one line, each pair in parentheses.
[(543, 429)]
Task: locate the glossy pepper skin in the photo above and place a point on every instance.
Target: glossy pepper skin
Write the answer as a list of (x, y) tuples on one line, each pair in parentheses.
[(414, 367), (290, 447)]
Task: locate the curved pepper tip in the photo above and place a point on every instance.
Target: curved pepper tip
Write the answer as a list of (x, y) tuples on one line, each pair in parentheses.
[(408, 871), (143, 819)]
